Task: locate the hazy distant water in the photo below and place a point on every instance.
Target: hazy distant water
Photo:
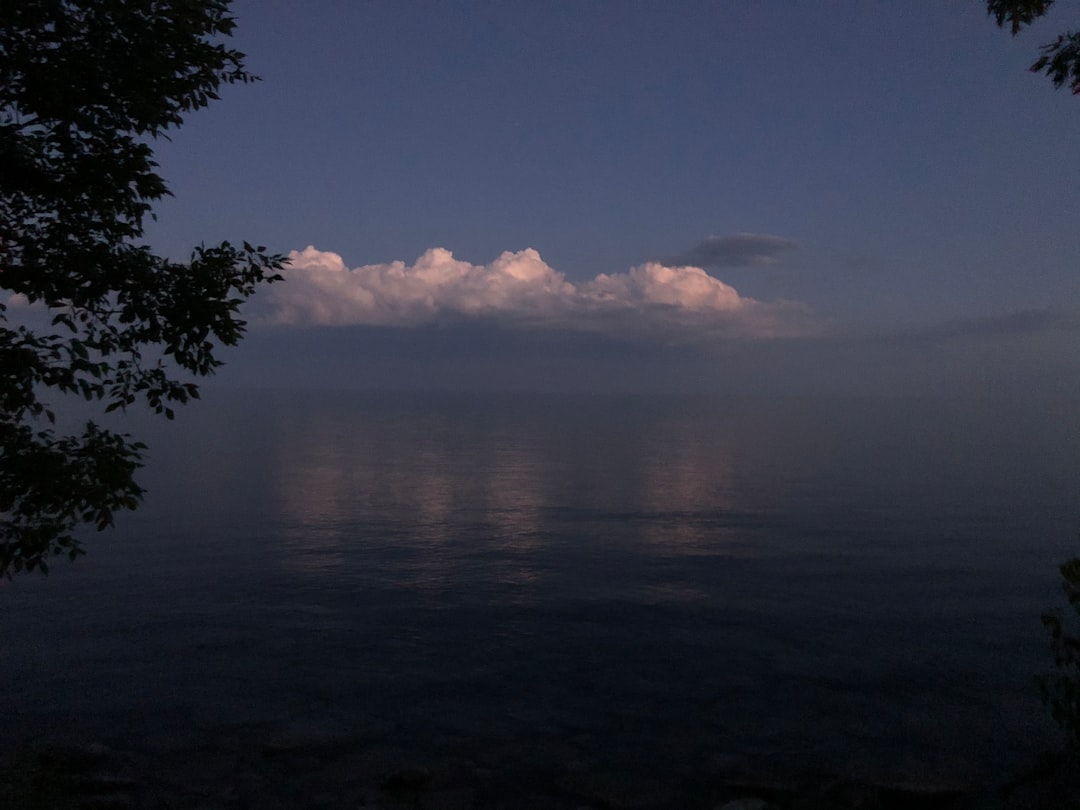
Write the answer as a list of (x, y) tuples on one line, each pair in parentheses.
[(641, 583)]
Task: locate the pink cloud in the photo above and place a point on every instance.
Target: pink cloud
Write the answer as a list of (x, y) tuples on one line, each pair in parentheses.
[(519, 287)]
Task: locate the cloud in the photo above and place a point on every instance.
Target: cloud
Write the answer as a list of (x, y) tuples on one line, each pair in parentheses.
[(736, 250), (1023, 322), (996, 325), (652, 301)]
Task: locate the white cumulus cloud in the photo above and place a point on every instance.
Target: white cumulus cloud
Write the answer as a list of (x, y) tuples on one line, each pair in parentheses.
[(652, 300)]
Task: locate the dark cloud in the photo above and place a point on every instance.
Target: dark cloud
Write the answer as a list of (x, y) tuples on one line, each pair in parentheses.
[(1023, 322), (1010, 323), (735, 250)]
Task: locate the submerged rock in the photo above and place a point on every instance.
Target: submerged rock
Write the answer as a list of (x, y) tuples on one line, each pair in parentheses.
[(747, 804), (409, 778)]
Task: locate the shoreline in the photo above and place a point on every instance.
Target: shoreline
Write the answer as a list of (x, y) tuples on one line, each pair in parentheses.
[(332, 772)]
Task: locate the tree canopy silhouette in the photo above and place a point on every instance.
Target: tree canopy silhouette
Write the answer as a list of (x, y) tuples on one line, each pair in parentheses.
[(86, 86), (1060, 59)]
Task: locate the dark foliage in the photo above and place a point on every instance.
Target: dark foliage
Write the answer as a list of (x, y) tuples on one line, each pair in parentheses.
[(1060, 59), (85, 88), (1061, 688)]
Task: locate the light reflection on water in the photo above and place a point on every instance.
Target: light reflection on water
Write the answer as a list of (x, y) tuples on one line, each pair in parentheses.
[(456, 471), (657, 579)]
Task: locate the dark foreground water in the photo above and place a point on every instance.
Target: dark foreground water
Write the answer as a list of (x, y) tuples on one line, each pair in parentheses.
[(630, 585)]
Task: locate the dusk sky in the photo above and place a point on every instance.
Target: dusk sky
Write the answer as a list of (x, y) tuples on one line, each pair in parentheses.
[(849, 197)]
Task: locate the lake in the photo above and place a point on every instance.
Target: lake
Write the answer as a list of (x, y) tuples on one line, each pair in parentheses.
[(629, 584)]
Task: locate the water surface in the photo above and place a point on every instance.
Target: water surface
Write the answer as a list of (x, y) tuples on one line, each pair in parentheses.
[(638, 583)]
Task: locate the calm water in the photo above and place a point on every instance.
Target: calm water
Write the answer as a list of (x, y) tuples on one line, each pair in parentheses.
[(635, 583)]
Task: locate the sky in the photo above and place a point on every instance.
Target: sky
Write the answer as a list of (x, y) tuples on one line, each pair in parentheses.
[(830, 197)]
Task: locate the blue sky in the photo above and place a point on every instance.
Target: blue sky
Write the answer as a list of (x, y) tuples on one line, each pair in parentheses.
[(890, 198)]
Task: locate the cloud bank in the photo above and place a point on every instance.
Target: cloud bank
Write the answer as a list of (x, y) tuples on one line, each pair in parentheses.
[(654, 300), (736, 250)]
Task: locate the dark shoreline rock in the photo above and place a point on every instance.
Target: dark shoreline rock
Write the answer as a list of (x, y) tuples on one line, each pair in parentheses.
[(327, 772)]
